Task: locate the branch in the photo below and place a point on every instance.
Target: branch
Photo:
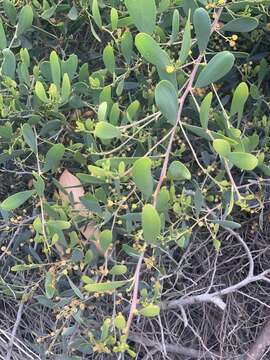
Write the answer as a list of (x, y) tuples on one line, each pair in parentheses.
[(262, 342), (174, 348), (13, 334)]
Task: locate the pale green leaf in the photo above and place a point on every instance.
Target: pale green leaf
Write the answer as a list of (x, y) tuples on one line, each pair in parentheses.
[(141, 173), (202, 25), (96, 13), (55, 69), (16, 200), (29, 137), (106, 131), (186, 44), (105, 286), (222, 147), (243, 24), (151, 224), (205, 109), (150, 310), (109, 59), (217, 67), (178, 171), (25, 20), (143, 14), (167, 100), (243, 160)]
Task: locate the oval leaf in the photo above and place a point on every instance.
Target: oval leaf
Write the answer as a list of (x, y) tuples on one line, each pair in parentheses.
[(217, 67), (143, 14), (142, 176), (151, 50), (178, 171), (243, 161), (25, 20), (16, 200), (150, 311), (103, 287), (222, 147), (205, 109), (244, 24), (167, 100), (202, 24), (151, 224), (106, 131), (186, 44)]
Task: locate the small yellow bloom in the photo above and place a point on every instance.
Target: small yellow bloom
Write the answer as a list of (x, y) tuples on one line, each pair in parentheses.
[(234, 37), (221, 2), (232, 43), (170, 69)]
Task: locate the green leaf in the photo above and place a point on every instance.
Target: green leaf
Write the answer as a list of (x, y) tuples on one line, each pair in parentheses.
[(106, 131), (29, 137), (127, 46), (109, 59), (105, 286), (10, 11), (66, 88), (40, 92), (9, 63), (114, 19), (167, 100), (222, 147), (55, 69), (25, 267), (118, 270), (143, 14), (151, 51), (142, 176), (186, 44), (175, 26), (70, 65), (39, 184), (120, 322), (47, 14), (91, 203), (205, 109), (53, 157), (105, 240), (3, 39), (178, 171), (243, 161), (240, 97), (75, 289), (73, 13), (202, 25), (16, 200), (243, 24), (227, 224), (96, 13), (50, 285), (150, 311), (151, 224), (25, 20), (217, 67)]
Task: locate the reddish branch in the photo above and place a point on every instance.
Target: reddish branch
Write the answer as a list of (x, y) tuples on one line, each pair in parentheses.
[(188, 90)]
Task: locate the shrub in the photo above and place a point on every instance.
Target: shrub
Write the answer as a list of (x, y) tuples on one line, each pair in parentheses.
[(126, 129)]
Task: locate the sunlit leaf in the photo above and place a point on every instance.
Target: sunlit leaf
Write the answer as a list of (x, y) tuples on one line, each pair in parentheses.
[(151, 224), (217, 67), (167, 100), (143, 14)]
